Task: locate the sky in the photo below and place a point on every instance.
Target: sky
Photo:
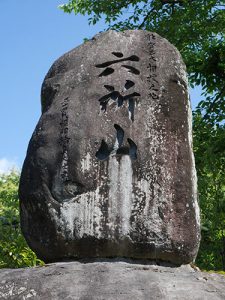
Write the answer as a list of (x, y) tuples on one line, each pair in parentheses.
[(33, 35)]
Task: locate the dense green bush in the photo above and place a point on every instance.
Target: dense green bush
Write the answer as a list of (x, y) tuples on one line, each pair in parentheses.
[(14, 252), (209, 147)]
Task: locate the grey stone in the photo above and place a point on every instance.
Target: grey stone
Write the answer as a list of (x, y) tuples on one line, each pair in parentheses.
[(109, 169), (110, 280)]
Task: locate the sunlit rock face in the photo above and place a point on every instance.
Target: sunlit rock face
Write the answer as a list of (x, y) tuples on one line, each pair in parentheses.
[(109, 169)]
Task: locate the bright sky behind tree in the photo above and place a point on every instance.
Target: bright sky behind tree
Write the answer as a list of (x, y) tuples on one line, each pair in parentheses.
[(33, 35)]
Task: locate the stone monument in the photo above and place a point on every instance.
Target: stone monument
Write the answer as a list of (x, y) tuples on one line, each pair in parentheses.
[(109, 170)]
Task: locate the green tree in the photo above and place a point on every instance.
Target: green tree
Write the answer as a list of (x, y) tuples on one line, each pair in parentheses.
[(14, 252), (209, 146)]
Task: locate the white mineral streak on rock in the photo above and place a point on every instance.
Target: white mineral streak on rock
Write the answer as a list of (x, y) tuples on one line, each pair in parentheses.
[(144, 186), (125, 178), (69, 212), (86, 163), (129, 115), (79, 214), (116, 146), (113, 171), (120, 192)]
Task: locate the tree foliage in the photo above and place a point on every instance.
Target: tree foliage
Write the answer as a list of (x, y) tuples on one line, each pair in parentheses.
[(14, 252), (209, 146)]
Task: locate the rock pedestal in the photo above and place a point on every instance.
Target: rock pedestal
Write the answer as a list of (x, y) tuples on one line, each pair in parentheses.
[(109, 169), (110, 280)]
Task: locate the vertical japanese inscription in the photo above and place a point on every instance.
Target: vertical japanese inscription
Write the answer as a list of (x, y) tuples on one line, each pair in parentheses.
[(120, 97), (152, 66), (64, 139)]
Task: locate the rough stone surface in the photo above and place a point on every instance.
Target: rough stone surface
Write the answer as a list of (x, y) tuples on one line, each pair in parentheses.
[(110, 280), (109, 169)]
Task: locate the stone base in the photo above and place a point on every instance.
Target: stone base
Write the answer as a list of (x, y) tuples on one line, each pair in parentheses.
[(110, 279)]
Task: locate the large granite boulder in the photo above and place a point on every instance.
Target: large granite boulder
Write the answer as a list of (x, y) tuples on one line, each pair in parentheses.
[(109, 169), (110, 280)]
